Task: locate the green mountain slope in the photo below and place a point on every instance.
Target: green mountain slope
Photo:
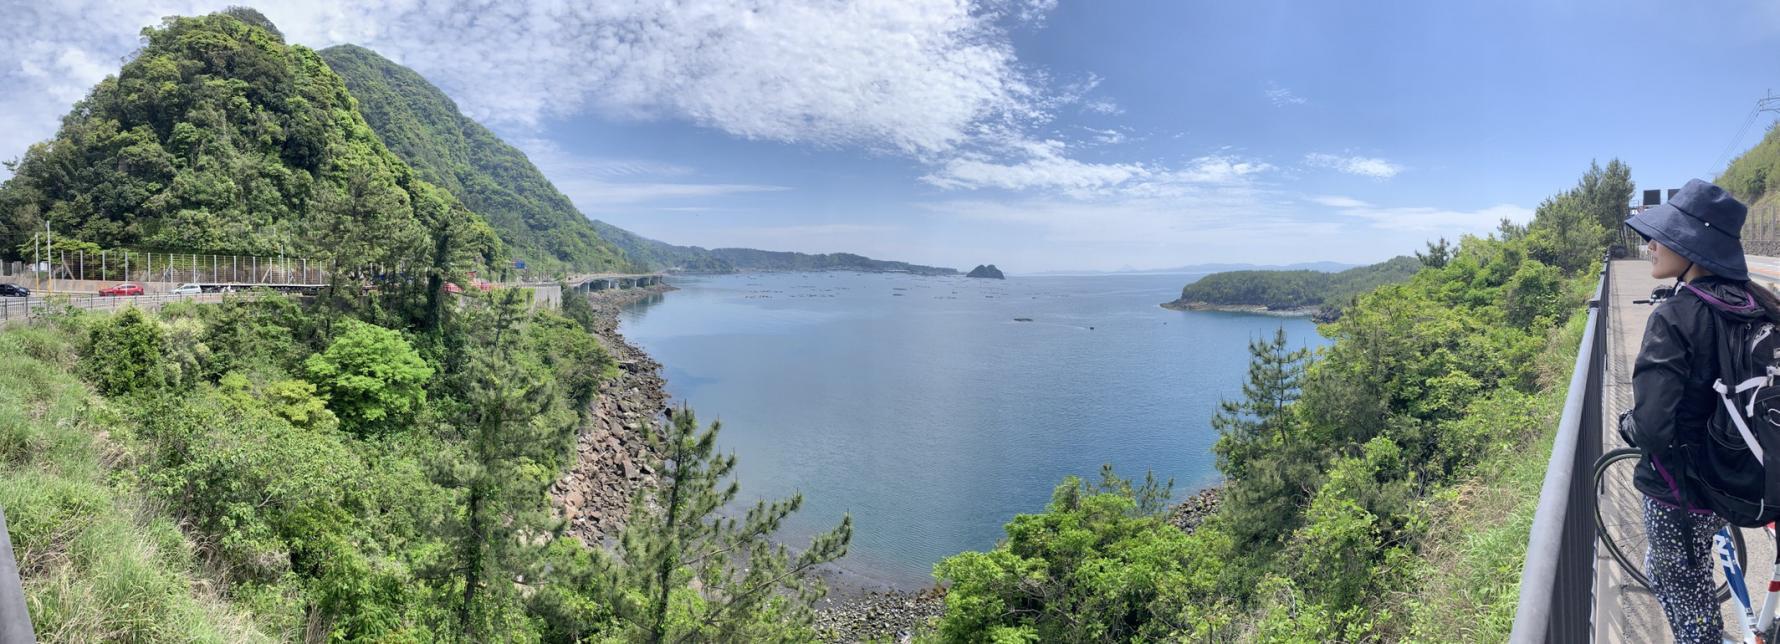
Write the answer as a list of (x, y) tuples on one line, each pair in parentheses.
[(217, 137), (1753, 173), (1293, 289), (424, 127), (662, 256)]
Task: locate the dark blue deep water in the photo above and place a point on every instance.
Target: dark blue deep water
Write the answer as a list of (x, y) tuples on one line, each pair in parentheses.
[(922, 407)]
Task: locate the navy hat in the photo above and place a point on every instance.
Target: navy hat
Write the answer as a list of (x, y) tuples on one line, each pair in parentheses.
[(1703, 223)]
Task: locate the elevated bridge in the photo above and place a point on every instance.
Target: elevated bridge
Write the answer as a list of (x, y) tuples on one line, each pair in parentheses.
[(604, 281)]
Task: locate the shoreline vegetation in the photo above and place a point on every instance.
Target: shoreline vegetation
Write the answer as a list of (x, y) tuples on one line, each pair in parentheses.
[(1255, 309), (1293, 293)]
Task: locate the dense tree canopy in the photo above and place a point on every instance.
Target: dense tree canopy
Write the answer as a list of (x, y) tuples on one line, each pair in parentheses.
[(1294, 289), (422, 125), (218, 137)]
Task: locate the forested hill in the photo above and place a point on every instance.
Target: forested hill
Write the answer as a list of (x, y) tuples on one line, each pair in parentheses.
[(424, 127), (749, 259), (217, 137), (663, 256), (1752, 175), (1280, 290)]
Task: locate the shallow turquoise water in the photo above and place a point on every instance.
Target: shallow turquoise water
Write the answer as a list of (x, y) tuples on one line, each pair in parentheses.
[(922, 407)]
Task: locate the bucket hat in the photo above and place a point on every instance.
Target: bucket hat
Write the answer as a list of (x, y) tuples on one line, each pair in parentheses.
[(1703, 223)]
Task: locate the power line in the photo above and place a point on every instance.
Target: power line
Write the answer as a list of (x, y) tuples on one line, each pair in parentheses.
[(1768, 103)]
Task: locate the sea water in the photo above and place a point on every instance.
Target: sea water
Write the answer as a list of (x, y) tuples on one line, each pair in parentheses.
[(929, 409)]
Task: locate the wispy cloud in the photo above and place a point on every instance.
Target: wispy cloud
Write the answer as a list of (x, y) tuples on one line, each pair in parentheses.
[(1333, 201), (1102, 106), (597, 184), (1427, 219), (1359, 165), (916, 77), (1282, 97)]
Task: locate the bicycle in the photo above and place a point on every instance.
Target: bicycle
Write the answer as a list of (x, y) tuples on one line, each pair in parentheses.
[(1622, 535)]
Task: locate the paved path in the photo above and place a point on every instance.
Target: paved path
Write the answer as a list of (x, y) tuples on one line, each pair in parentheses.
[(1624, 610)]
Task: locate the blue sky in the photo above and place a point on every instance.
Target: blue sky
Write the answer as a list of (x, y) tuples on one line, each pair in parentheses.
[(1034, 134)]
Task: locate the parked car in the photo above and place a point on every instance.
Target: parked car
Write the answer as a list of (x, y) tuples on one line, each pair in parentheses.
[(14, 290), (187, 289), (125, 288)]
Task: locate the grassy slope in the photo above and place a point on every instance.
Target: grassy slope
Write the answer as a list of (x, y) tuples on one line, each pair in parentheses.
[(98, 562), (1471, 560)]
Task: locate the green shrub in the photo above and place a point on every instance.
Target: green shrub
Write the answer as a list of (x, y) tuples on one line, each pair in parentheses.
[(372, 378), (123, 354)]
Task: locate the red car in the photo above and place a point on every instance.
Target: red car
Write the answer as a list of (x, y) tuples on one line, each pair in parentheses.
[(125, 288)]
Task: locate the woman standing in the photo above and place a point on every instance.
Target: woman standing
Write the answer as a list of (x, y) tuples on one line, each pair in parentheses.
[(1694, 239)]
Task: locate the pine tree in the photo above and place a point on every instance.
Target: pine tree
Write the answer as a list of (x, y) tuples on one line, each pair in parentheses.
[(516, 424), (1248, 426), (685, 572)]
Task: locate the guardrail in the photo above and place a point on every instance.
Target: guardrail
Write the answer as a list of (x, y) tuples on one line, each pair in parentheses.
[(15, 619), (1557, 582)]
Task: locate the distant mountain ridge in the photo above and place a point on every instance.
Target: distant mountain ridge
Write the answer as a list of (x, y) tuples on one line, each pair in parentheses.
[(423, 126), (1321, 267)]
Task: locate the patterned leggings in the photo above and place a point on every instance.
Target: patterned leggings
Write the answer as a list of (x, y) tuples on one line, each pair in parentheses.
[(1680, 564)]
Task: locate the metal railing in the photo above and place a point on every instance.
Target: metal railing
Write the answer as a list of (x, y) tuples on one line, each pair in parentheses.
[(24, 309), (1557, 582), (15, 619)]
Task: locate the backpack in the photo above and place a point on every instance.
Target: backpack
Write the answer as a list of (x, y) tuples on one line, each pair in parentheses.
[(1729, 465)]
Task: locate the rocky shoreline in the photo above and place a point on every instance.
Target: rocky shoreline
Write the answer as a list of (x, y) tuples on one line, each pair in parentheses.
[(1189, 513), (1294, 312), (879, 615), (612, 459)]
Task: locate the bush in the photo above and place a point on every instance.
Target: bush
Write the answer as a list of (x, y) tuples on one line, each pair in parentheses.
[(372, 378), (1092, 568), (123, 354)]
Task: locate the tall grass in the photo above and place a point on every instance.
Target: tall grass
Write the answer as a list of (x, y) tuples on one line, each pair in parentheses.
[(97, 563)]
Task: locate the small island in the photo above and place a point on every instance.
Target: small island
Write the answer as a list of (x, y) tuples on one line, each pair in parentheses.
[(1317, 294), (986, 271)]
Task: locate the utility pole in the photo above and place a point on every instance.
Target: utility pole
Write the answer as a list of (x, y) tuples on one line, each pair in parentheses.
[(1769, 103), (49, 254)]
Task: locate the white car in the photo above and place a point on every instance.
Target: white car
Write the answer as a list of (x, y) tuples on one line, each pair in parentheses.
[(187, 289)]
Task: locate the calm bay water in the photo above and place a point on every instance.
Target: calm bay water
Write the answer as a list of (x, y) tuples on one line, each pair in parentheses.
[(922, 407)]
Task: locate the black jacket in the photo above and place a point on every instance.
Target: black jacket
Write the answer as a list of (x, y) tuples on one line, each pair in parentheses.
[(1672, 385)]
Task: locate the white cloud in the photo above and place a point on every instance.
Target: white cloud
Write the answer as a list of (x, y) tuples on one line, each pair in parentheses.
[(1282, 97), (1363, 166), (1340, 202), (1046, 166), (1042, 165), (916, 77), (1102, 106), (597, 185), (1423, 219)]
